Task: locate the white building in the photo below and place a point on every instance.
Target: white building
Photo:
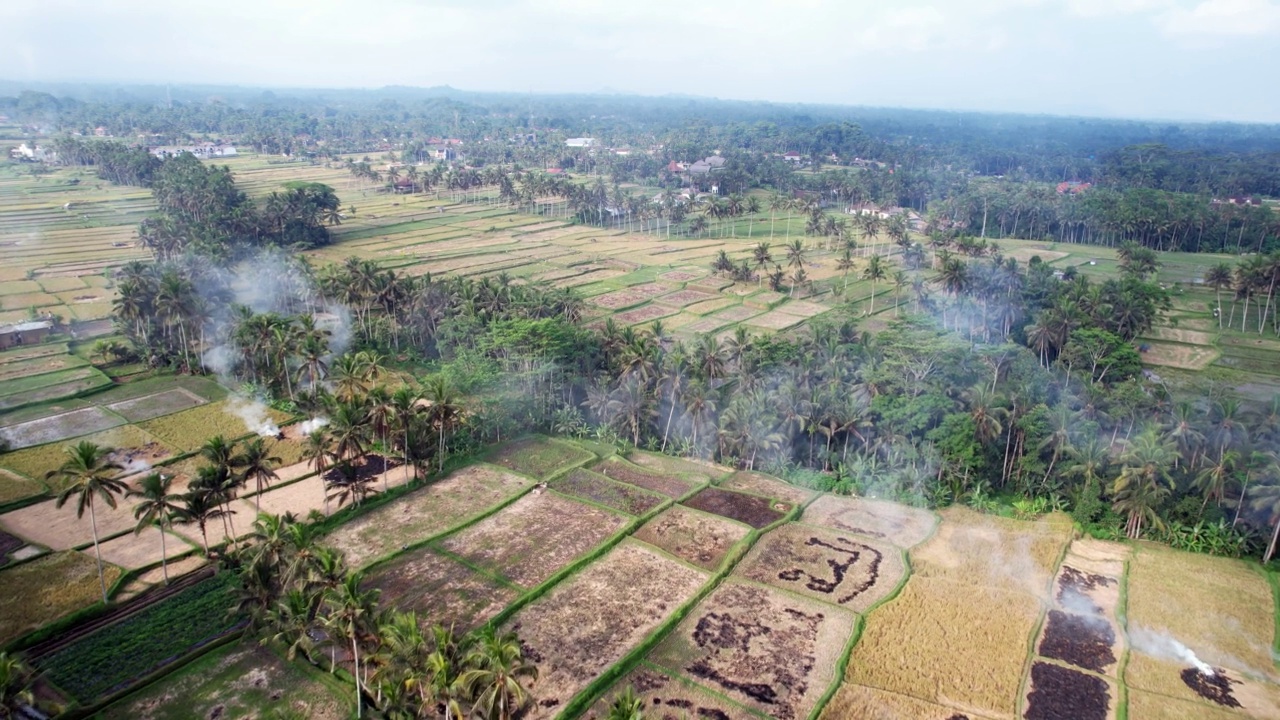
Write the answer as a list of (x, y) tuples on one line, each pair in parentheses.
[(580, 142), (203, 151)]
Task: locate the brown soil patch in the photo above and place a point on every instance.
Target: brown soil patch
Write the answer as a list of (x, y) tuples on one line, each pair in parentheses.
[(1182, 335), (668, 485), (667, 698), (825, 565), (532, 539), (591, 620), (425, 513), (685, 297), (680, 275), (694, 537), (710, 306), (1058, 693), (901, 525), (768, 650), (60, 529), (750, 509), (440, 589), (768, 486), (538, 457), (643, 314), (136, 551), (802, 308), (601, 490), (630, 296)]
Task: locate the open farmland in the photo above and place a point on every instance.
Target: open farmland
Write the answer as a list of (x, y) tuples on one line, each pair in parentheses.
[(425, 513), (539, 457), (850, 572), (586, 485), (950, 643), (667, 697), (535, 537), (239, 681), (38, 592), (768, 650), (440, 588), (698, 538), (898, 524), (590, 620)]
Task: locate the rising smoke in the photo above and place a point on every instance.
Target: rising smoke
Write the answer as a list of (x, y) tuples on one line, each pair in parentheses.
[(1161, 645)]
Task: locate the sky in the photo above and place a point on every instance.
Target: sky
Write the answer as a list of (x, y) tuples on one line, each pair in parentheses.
[(1166, 59)]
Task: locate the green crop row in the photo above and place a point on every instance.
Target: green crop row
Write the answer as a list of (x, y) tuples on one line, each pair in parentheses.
[(111, 658)]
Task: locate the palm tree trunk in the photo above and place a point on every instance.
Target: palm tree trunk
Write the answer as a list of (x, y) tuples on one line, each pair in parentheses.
[(164, 556), (355, 654), (1271, 548), (97, 550)]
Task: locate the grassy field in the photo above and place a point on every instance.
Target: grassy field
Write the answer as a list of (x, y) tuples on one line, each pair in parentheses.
[(38, 592)]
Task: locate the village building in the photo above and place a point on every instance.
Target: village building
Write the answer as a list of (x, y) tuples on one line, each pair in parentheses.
[(204, 151), (580, 142), (27, 333)]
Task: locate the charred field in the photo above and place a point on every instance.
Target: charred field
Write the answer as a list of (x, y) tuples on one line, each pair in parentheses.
[(771, 651), (841, 569), (589, 621), (535, 537), (753, 510), (698, 538)]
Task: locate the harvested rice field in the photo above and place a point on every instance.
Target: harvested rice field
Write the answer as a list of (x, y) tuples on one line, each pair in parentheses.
[(877, 519), (425, 513), (664, 483), (771, 651), (845, 570), (697, 538), (767, 486), (596, 488), (1221, 609), (857, 702), (993, 552), (535, 537), (753, 510), (949, 643), (1176, 355), (241, 680), (539, 457), (440, 589), (667, 697), (40, 591), (593, 618), (187, 430)]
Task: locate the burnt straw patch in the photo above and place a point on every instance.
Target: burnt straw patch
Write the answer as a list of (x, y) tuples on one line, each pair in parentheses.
[(750, 509), (850, 553), (1059, 693), (8, 545), (1086, 642), (1075, 585), (1215, 687)]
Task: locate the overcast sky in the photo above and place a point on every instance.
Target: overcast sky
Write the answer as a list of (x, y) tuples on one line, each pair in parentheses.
[(1181, 59)]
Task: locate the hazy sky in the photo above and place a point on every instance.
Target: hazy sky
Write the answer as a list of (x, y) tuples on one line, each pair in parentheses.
[(1192, 59)]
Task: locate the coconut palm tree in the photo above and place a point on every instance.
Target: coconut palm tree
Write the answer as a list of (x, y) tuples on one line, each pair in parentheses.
[(1212, 480), (444, 411), (1265, 499), (874, 271), (494, 680), (256, 464), (88, 473), (1144, 482), (405, 410), (158, 507), (845, 264), (200, 506), (626, 706), (762, 257), (349, 613), (1218, 277)]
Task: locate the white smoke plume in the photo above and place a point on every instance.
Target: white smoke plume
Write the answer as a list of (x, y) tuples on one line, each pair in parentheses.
[(1161, 645), (254, 414), (309, 426), (137, 465)]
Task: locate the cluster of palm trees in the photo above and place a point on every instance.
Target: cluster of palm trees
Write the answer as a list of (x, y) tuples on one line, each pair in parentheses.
[(300, 594), (1251, 282), (417, 424), (170, 312), (90, 476)]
